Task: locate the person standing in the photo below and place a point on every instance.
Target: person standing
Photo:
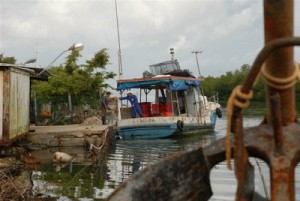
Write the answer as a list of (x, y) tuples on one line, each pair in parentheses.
[(135, 106), (104, 107)]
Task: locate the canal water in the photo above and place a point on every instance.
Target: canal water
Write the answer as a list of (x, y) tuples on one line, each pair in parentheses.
[(82, 181)]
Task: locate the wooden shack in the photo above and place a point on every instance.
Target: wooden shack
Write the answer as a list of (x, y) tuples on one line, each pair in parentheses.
[(14, 102)]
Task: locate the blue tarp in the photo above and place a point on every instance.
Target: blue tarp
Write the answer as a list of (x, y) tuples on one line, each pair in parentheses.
[(174, 85)]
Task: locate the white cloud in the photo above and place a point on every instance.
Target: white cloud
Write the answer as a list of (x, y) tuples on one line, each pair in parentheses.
[(229, 33), (180, 43), (232, 23)]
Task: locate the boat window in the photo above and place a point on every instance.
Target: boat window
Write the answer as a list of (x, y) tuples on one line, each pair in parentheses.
[(164, 68), (162, 98)]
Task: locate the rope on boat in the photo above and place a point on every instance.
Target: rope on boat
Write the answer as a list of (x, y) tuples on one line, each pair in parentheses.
[(92, 146), (234, 100), (280, 83), (262, 179)]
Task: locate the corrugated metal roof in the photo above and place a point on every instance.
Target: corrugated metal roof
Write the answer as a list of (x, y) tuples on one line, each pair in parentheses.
[(34, 71)]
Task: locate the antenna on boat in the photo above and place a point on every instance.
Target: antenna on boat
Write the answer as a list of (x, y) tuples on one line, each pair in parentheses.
[(172, 53), (119, 43), (196, 54), (36, 53)]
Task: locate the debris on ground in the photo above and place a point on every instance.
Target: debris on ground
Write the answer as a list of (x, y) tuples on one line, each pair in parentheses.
[(29, 159), (92, 121), (14, 184)]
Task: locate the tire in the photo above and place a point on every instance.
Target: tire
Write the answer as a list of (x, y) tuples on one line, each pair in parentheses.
[(219, 112)]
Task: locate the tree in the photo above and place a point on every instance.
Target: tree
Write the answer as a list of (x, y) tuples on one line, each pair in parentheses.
[(84, 83), (225, 84), (8, 60)]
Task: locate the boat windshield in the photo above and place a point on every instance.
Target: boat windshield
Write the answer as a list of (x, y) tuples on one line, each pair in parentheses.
[(164, 67)]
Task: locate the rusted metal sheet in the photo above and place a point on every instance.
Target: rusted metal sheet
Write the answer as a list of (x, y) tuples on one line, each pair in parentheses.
[(1, 106), (6, 98), (19, 103), (15, 103)]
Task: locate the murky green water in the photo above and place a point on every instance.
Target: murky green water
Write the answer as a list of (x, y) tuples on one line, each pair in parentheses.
[(81, 181)]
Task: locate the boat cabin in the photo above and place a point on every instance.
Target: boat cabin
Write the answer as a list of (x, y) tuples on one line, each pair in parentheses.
[(164, 95)]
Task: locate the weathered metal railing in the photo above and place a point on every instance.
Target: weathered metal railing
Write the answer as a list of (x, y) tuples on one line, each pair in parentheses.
[(276, 140)]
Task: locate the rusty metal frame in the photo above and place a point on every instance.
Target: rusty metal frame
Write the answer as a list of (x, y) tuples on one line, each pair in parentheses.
[(6, 96)]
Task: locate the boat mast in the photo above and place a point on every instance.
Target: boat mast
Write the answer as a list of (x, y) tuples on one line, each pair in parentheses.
[(120, 71), (201, 95)]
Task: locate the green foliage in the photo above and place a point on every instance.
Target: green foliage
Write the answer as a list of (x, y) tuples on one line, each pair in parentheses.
[(71, 62), (7, 60), (85, 82), (224, 84), (100, 60)]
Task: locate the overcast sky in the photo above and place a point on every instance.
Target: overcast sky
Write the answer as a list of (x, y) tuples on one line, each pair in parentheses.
[(229, 32)]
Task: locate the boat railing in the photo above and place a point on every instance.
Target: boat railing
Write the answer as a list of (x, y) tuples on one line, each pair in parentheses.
[(214, 97)]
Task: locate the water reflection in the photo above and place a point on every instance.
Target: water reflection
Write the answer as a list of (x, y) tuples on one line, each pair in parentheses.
[(73, 181), (79, 180), (130, 156), (82, 181)]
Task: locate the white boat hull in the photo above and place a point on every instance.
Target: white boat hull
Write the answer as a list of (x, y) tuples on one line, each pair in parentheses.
[(158, 127)]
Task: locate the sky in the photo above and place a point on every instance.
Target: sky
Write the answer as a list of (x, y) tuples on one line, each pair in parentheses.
[(228, 32)]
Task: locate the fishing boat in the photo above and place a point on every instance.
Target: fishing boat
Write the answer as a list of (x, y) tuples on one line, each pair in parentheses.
[(171, 101)]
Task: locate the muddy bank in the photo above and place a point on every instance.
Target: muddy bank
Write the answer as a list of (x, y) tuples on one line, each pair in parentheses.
[(87, 144), (69, 135)]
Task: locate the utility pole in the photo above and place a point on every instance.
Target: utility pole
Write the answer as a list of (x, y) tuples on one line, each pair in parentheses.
[(196, 52)]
